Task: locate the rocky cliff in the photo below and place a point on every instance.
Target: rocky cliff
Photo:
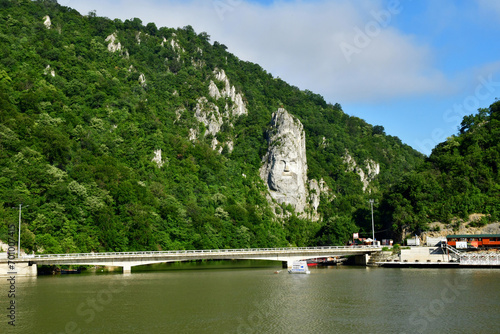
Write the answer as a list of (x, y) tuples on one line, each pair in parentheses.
[(212, 117), (372, 169)]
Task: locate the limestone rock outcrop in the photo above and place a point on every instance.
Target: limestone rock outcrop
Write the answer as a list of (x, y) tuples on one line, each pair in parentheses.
[(158, 158), (227, 91), (372, 169), (113, 45), (285, 163), (316, 190), (212, 117), (46, 22), (208, 114), (142, 80), (50, 71)]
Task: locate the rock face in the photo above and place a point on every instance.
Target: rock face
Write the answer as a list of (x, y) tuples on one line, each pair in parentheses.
[(50, 71), (113, 45), (285, 163), (142, 80), (442, 230), (209, 114), (372, 169), (158, 158), (316, 190), (46, 22), (227, 91)]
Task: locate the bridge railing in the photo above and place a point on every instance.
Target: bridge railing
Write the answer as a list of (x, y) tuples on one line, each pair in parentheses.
[(480, 258), (210, 251)]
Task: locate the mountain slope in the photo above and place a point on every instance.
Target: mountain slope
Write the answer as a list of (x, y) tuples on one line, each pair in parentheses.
[(124, 136), (460, 178)]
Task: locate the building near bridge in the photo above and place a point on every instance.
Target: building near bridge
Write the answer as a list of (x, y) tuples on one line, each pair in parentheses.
[(473, 241)]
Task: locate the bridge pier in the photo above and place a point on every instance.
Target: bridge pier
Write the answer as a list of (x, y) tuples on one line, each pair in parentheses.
[(361, 260), (288, 263), (127, 268), (27, 269)]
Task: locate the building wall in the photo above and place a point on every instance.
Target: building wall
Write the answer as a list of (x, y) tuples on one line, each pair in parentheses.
[(423, 254)]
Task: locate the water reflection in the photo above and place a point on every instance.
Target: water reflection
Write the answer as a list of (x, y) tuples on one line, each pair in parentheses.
[(247, 297)]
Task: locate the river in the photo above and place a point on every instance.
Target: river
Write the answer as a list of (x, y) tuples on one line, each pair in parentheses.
[(248, 297)]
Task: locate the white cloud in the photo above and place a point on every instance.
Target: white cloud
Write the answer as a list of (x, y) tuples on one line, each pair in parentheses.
[(491, 6), (301, 42)]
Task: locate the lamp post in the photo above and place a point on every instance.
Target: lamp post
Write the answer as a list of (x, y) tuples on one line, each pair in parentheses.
[(19, 231), (373, 224)]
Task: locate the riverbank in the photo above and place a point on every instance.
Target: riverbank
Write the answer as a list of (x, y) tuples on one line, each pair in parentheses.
[(436, 265), (437, 257)]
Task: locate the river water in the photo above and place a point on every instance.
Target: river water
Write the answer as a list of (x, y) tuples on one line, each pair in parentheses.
[(248, 297)]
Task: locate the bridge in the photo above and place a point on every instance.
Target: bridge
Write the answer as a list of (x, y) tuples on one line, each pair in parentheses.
[(28, 263)]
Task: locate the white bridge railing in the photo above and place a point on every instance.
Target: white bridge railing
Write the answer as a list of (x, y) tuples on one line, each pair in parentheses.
[(480, 258), (473, 258), (210, 251)]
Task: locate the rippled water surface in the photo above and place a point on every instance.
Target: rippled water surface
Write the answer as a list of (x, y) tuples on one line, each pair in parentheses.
[(248, 297)]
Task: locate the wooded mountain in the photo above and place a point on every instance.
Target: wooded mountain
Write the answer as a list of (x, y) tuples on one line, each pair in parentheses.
[(123, 136), (461, 177)]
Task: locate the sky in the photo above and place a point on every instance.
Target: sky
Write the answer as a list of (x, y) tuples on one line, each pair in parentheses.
[(415, 67)]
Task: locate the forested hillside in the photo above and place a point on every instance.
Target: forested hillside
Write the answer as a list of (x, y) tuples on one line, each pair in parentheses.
[(461, 177), (100, 134)]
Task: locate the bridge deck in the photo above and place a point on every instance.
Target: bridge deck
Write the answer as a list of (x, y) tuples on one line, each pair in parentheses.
[(127, 260), (204, 254)]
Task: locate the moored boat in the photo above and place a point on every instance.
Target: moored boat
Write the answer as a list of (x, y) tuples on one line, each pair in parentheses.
[(299, 267), (312, 262)]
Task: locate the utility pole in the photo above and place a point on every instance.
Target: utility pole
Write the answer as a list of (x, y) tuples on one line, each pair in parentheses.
[(373, 224)]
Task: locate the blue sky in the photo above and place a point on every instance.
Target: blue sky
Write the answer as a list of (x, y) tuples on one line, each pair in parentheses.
[(414, 66)]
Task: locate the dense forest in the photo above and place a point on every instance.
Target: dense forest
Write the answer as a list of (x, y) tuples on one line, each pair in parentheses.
[(87, 103), (461, 177)]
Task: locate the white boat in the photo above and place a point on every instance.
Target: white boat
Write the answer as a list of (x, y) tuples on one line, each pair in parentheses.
[(299, 267)]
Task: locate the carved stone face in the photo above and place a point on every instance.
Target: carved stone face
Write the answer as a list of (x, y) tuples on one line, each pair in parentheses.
[(286, 167), (286, 172)]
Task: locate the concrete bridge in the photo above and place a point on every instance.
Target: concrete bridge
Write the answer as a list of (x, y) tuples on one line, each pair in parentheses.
[(27, 265)]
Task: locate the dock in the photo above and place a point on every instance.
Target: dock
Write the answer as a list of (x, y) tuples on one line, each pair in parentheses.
[(444, 256)]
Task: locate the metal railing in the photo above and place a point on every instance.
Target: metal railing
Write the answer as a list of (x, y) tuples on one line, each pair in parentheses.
[(480, 258), (473, 258), (210, 251), (454, 252)]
